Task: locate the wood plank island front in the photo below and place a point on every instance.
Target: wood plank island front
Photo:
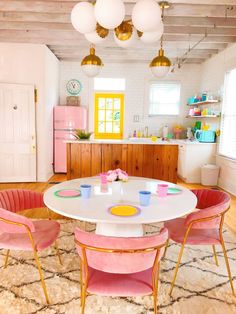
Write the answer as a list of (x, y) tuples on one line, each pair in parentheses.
[(89, 158)]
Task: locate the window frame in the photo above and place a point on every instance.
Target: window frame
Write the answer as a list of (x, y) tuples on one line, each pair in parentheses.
[(223, 116), (98, 135), (149, 103)]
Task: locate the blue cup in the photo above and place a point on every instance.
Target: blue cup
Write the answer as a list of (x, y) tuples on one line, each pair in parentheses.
[(85, 190), (144, 198)]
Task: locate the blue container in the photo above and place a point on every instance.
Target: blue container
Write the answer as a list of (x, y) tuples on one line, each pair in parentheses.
[(144, 198), (205, 136), (85, 191)]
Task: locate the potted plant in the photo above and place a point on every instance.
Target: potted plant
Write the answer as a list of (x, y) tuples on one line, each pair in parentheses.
[(82, 134)]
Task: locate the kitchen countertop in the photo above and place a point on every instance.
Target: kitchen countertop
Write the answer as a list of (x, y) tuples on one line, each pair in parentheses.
[(138, 141)]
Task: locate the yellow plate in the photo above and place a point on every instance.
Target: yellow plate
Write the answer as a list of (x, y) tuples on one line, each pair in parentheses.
[(124, 210)]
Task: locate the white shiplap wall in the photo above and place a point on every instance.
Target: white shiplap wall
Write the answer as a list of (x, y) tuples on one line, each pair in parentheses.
[(137, 78)]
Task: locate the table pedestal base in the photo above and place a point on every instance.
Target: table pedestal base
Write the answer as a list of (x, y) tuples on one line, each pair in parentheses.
[(119, 230)]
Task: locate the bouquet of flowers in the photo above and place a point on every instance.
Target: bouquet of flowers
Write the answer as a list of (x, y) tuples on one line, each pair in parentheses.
[(117, 175)]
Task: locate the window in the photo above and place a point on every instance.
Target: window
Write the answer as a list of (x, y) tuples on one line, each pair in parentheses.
[(109, 116), (109, 84), (228, 122), (164, 98)]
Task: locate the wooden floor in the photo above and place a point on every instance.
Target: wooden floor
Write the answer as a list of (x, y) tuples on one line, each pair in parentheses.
[(230, 219)]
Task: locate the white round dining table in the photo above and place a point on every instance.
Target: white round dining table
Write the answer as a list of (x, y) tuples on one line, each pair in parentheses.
[(96, 208)]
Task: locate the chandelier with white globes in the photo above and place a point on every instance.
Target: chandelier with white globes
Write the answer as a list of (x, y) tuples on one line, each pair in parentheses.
[(97, 20)]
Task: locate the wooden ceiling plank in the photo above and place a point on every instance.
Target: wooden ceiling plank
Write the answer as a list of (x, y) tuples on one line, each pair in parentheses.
[(34, 17), (199, 21), (177, 9), (65, 18), (200, 30)]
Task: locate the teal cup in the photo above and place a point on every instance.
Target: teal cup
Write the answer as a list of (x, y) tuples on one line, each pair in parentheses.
[(85, 190), (144, 198)]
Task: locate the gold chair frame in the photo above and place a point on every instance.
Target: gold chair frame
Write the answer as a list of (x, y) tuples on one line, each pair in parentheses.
[(35, 251), (221, 216), (84, 269)]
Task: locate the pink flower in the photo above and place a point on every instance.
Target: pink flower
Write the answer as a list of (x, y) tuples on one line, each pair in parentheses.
[(123, 175), (117, 174), (111, 175)]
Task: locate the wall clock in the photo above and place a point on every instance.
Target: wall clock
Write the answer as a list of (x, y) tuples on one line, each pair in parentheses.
[(73, 87)]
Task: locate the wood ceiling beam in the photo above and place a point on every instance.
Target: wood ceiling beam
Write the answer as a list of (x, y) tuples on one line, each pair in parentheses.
[(177, 9), (168, 45), (168, 29), (47, 35), (144, 50), (107, 61), (65, 18), (35, 17)]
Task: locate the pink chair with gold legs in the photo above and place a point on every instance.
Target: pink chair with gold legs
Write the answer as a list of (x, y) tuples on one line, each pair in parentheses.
[(113, 266), (203, 227), (20, 233)]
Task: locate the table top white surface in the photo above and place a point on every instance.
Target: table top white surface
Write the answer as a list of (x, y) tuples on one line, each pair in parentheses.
[(95, 209)]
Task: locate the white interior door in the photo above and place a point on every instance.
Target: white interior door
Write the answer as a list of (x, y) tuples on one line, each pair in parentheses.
[(17, 133)]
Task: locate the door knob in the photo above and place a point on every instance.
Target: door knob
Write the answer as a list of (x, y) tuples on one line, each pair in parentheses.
[(15, 107)]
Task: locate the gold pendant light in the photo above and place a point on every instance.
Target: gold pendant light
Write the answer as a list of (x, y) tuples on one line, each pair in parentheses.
[(160, 65), (102, 31), (91, 64), (124, 31)]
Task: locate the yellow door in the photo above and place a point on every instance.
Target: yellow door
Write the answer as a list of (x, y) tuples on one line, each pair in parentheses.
[(109, 115)]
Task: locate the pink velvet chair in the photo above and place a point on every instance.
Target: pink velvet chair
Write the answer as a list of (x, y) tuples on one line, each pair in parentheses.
[(113, 266), (203, 227), (20, 233)]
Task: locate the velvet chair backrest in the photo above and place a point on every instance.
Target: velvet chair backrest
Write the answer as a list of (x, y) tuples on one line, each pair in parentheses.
[(16, 200), (122, 263), (210, 203), (6, 227)]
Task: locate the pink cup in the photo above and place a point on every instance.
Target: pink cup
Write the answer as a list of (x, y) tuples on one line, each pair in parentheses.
[(103, 177), (162, 190)]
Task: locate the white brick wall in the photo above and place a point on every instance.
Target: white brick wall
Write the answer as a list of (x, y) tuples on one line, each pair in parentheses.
[(137, 78)]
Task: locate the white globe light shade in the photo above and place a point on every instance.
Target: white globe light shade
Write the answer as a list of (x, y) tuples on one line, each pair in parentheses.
[(146, 15), (129, 42), (151, 37), (91, 70), (160, 71), (109, 13), (83, 18), (94, 38)]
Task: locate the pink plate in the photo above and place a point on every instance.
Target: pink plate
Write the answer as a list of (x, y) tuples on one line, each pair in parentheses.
[(67, 193)]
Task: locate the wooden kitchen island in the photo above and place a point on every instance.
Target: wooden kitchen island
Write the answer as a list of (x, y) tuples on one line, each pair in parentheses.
[(151, 160)]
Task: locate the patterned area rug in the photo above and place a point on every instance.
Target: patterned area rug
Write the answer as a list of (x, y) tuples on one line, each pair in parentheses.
[(201, 286)]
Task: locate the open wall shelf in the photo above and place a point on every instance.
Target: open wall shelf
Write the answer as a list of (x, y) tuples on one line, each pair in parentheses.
[(207, 102)]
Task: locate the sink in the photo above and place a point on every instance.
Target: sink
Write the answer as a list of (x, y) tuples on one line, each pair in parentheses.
[(140, 139)]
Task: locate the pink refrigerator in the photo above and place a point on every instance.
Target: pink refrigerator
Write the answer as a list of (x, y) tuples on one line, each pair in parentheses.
[(66, 120)]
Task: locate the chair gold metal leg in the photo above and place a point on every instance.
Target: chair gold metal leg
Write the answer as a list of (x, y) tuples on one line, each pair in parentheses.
[(41, 276), (58, 253), (6, 259), (83, 299), (227, 266), (215, 255), (176, 268), (167, 244), (155, 292)]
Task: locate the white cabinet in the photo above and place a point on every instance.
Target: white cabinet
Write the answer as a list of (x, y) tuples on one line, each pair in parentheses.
[(191, 157)]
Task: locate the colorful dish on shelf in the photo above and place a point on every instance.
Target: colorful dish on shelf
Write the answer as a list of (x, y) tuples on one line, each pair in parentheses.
[(67, 193), (124, 210)]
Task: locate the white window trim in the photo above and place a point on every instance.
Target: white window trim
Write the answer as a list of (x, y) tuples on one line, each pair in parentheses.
[(148, 102), (219, 153)]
